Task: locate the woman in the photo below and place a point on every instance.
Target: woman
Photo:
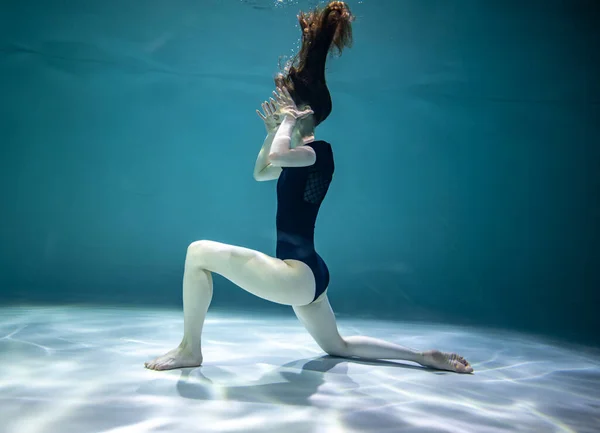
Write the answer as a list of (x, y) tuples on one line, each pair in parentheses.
[(304, 168)]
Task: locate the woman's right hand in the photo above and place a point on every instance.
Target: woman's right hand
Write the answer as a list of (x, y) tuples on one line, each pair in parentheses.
[(271, 117), (287, 106)]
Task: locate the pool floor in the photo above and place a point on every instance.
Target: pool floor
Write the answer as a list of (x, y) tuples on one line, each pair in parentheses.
[(80, 369)]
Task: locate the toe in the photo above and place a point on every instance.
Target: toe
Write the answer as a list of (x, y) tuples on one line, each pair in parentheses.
[(458, 367), (462, 368)]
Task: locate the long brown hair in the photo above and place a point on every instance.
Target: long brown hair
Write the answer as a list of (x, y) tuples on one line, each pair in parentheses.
[(325, 30)]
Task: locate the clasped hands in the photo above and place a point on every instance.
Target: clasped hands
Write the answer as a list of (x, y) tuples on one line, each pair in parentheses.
[(279, 106)]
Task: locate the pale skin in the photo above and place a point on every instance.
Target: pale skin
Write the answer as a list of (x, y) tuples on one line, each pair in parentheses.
[(287, 282)]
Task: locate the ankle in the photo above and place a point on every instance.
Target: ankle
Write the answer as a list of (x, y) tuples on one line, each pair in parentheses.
[(186, 346), (419, 357)]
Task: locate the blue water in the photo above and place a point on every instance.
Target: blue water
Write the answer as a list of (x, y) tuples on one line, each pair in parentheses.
[(466, 136)]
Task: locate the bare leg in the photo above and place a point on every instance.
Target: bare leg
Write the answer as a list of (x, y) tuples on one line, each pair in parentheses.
[(286, 282), (319, 321), (197, 294)]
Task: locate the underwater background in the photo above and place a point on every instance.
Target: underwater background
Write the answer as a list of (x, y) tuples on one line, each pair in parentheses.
[(466, 136)]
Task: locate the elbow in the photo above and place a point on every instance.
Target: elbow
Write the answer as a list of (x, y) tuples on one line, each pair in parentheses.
[(260, 176)]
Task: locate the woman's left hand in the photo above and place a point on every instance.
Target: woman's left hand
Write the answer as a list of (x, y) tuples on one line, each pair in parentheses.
[(287, 106)]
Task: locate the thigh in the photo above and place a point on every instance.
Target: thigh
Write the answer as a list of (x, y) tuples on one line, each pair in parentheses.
[(288, 282), (319, 320)]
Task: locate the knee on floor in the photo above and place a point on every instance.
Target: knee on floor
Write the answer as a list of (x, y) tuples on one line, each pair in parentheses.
[(338, 350)]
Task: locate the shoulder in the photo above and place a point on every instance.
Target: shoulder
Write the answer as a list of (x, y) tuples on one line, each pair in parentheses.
[(323, 154), (319, 145)]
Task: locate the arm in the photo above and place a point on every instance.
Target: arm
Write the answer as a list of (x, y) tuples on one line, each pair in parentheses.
[(263, 169), (276, 151), (281, 155)]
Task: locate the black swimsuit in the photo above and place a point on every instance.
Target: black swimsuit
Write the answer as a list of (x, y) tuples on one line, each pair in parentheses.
[(300, 192)]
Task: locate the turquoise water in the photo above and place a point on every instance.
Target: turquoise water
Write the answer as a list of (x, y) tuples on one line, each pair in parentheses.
[(465, 135)]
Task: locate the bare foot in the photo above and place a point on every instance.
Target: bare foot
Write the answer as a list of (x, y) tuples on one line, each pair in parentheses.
[(446, 361), (176, 358)]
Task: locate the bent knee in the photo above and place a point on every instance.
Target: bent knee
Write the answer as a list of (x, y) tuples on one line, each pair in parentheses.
[(199, 251), (197, 247)]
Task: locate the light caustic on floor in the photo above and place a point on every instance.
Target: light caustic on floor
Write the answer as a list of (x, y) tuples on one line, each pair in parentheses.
[(81, 370)]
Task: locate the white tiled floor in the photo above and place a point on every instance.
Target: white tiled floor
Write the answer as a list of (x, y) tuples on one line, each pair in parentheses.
[(81, 370)]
